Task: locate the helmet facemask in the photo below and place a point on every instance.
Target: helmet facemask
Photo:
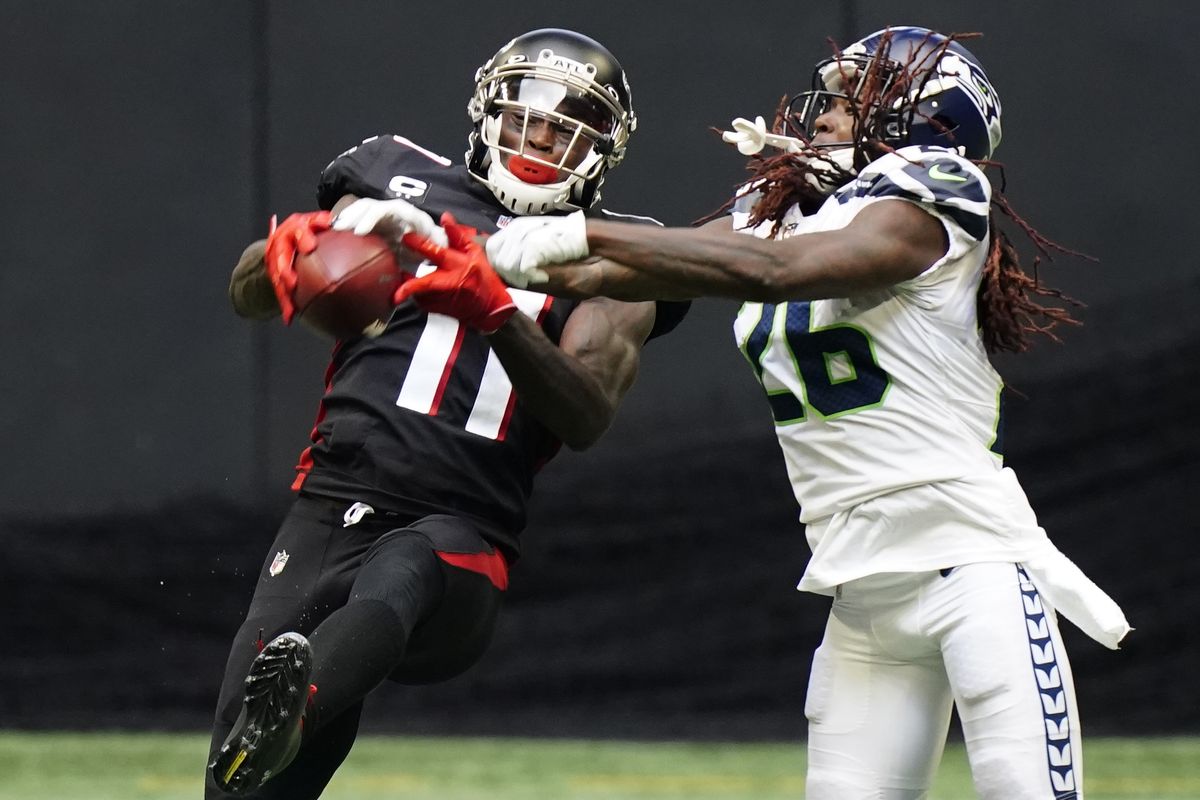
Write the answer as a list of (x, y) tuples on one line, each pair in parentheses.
[(589, 125)]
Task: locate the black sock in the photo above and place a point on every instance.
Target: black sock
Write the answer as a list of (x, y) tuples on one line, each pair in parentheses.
[(354, 650)]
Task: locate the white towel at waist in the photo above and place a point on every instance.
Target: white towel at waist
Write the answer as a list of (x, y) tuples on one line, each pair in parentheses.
[(1076, 597)]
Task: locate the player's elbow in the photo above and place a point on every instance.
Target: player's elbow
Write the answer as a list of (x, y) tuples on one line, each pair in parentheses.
[(253, 302), (586, 427), (582, 436), (578, 445), (250, 291)]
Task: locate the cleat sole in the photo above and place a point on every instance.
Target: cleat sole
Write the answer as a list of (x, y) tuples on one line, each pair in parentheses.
[(266, 735)]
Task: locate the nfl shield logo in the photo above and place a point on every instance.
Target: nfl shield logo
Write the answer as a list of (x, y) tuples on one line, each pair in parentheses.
[(281, 559)]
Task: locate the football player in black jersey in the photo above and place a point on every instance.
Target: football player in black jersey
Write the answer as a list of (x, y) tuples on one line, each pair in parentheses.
[(394, 557)]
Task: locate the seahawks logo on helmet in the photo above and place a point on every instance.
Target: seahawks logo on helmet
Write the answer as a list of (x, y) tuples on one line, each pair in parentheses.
[(971, 79)]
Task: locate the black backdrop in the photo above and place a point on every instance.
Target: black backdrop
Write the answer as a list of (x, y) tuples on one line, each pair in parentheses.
[(150, 434)]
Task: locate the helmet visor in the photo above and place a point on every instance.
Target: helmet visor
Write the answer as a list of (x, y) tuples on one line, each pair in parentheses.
[(559, 101)]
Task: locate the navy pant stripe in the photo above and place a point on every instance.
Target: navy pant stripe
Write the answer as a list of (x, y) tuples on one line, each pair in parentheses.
[(1063, 776)]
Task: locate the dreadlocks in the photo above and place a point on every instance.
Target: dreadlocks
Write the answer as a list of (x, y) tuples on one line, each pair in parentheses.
[(1008, 309), (1008, 302)]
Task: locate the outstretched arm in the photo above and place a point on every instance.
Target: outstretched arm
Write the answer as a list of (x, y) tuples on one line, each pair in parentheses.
[(888, 242)]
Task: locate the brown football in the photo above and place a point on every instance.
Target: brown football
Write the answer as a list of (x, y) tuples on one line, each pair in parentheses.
[(344, 288)]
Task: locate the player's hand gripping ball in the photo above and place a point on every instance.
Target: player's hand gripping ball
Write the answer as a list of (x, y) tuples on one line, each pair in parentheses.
[(345, 285)]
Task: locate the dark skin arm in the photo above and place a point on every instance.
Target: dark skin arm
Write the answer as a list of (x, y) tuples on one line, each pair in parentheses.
[(250, 289), (888, 242), (573, 388)]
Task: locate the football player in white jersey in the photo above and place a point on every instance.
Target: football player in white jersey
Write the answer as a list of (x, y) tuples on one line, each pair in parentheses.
[(876, 285)]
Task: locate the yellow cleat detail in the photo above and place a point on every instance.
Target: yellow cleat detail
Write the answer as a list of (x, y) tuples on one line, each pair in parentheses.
[(237, 762)]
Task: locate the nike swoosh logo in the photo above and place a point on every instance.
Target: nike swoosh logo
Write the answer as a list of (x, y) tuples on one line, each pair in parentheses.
[(936, 173)]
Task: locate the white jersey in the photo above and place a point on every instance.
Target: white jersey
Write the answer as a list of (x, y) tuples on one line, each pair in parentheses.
[(885, 404)]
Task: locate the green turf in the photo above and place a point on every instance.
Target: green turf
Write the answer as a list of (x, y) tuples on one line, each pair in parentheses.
[(73, 766)]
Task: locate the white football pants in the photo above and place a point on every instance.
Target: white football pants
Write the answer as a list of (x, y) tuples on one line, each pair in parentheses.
[(900, 648)]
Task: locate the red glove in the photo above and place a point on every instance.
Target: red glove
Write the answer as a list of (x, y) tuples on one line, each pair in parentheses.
[(296, 236), (464, 285)]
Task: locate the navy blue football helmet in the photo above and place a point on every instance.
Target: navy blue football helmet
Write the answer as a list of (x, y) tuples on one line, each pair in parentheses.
[(928, 90)]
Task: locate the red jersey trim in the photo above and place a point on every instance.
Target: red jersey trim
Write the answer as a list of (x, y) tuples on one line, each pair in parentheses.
[(305, 464), (445, 379)]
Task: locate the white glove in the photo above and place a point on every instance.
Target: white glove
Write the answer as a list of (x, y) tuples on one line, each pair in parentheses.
[(519, 249), (752, 137), (388, 218)]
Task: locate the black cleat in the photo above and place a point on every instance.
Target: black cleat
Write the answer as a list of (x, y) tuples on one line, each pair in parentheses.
[(266, 736)]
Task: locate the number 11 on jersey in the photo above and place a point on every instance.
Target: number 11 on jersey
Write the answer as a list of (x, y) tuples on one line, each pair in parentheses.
[(433, 367)]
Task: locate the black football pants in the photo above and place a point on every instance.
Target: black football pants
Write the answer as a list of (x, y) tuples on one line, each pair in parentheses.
[(412, 599)]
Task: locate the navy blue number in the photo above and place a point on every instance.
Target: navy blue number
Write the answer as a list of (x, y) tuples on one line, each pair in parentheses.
[(837, 365), (785, 406)]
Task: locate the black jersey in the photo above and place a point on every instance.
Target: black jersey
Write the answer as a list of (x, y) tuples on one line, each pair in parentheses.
[(423, 418)]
